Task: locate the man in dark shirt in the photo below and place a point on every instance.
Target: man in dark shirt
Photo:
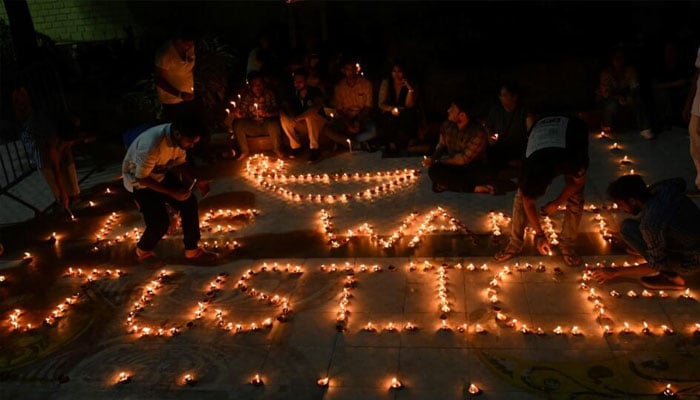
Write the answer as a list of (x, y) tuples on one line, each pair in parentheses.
[(557, 145), (667, 233), (300, 114), (458, 161), (508, 124)]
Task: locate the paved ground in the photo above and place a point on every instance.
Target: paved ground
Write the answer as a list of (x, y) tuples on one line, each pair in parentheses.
[(147, 323)]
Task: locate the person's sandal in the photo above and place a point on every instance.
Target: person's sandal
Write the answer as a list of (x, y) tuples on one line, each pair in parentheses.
[(201, 256), (506, 254), (144, 255)]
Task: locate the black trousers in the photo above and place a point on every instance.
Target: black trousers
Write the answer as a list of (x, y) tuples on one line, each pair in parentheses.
[(460, 178), (155, 215)]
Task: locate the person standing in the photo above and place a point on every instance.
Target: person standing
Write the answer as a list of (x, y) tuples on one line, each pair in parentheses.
[(156, 172), (174, 77), (557, 145), (692, 112)]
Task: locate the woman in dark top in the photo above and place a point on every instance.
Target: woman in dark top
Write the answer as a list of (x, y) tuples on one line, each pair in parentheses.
[(397, 103)]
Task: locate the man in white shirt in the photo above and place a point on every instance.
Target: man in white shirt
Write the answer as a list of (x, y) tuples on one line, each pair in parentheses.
[(174, 78), (156, 172)]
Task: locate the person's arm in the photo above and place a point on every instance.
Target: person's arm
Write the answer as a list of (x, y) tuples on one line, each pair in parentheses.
[(163, 83), (269, 108), (573, 183), (530, 208), (602, 275), (383, 99), (473, 149), (691, 95), (410, 95)]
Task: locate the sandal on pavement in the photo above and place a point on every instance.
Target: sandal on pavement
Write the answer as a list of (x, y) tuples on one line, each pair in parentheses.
[(200, 255), (506, 254), (663, 282), (571, 257), (144, 255)]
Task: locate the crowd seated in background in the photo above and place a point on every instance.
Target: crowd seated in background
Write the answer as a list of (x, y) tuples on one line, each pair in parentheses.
[(619, 89), (352, 123), (257, 115), (301, 114), (508, 124), (458, 163), (397, 103)]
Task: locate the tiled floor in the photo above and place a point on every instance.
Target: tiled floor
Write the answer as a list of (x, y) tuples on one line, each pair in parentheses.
[(82, 354)]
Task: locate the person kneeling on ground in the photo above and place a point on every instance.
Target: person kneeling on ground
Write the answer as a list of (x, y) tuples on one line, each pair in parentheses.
[(156, 172), (557, 145), (458, 161), (667, 233)]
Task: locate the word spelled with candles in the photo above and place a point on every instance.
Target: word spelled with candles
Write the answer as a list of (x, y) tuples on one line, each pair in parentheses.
[(427, 226), (60, 311), (214, 222), (149, 291), (270, 299), (103, 238), (267, 174), (496, 222)]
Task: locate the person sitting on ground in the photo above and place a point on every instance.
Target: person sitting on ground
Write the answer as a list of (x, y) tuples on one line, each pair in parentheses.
[(156, 172), (667, 233), (397, 102), (619, 87), (257, 115), (301, 114), (458, 161), (558, 145), (352, 120), (508, 124)]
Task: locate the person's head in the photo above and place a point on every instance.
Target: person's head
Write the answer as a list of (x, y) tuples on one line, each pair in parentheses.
[(618, 60), (184, 43), (398, 72), (299, 79), (256, 83), (186, 131), (458, 112), (349, 69), (508, 96), (630, 192)]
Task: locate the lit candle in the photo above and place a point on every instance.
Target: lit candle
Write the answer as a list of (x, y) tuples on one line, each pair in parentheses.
[(396, 384), (322, 382), (473, 389), (257, 380), (349, 145), (123, 377)]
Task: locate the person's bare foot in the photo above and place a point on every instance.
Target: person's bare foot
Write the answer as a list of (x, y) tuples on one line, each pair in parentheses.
[(663, 282), (485, 189)]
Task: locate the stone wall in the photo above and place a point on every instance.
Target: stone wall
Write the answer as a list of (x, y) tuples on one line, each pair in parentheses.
[(78, 20)]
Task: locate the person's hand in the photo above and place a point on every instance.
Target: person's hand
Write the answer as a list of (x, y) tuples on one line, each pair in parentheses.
[(185, 96), (427, 162), (354, 127), (549, 208), (601, 275), (493, 138), (543, 246), (406, 84), (181, 195), (203, 187)]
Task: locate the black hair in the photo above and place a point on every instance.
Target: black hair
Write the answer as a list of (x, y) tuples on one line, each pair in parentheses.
[(463, 105), (189, 126), (254, 75), (185, 32), (301, 71), (511, 87), (629, 187)]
